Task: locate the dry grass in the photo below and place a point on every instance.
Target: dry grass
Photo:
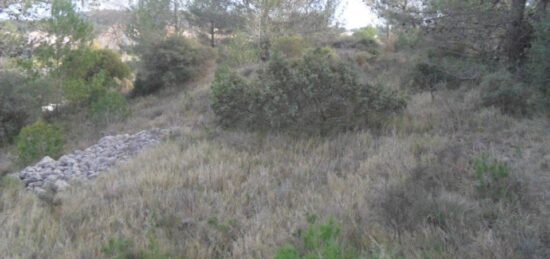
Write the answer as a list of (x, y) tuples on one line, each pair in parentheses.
[(409, 191)]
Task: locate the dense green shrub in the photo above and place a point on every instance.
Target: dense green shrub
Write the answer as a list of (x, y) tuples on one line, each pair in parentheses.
[(318, 93), (110, 107), (171, 62), (233, 99), (292, 46), (19, 104), (539, 61), (500, 90), (318, 241), (88, 73), (39, 140)]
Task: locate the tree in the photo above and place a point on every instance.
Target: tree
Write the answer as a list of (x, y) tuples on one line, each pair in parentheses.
[(215, 16), (68, 29)]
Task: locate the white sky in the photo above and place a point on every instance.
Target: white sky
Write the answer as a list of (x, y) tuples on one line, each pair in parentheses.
[(356, 14)]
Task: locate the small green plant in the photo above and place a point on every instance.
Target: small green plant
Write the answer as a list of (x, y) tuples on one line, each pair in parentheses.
[(38, 140), (320, 241), (110, 107), (492, 178), (121, 248)]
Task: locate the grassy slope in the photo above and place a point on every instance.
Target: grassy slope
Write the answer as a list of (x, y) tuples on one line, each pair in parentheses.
[(210, 193)]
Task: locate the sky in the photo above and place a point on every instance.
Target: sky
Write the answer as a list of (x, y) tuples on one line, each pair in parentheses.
[(356, 14)]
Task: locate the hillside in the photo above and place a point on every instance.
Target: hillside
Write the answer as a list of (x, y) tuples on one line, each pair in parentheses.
[(273, 133), (206, 192)]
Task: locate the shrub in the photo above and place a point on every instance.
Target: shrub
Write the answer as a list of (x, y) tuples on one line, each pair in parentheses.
[(368, 32), (110, 107), (292, 46), (318, 93), (431, 77), (233, 99), (171, 62), (39, 140), (318, 241), (539, 60), (19, 104), (238, 51), (500, 90), (493, 179), (89, 73)]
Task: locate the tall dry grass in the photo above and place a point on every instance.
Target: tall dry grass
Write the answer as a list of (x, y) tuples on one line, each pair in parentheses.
[(408, 191)]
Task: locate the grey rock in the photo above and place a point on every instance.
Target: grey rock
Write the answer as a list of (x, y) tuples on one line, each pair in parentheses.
[(88, 163)]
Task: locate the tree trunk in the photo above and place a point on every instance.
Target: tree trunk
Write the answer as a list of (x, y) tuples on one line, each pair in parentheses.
[(540, 9), (212, 35), (515, 38)]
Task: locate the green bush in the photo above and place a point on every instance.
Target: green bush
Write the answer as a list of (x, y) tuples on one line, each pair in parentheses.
[(39, 140), (500, 90), (110, 107), (174, 61), (89, 73), (318, 94), (539, 61), (19, 104), (292, 46), (318, 241)]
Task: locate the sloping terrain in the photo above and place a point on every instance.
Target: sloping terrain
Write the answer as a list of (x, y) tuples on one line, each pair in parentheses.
[(413, 189)]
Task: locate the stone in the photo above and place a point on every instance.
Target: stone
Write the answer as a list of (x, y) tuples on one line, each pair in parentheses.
[(88, 163)]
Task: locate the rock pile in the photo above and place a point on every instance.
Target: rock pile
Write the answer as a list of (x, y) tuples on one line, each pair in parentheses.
[(89, 163)]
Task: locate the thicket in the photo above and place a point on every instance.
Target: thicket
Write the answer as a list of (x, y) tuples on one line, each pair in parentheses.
[(39, 140), (318, 93), (19, 104), (89, 73), (172, 62)]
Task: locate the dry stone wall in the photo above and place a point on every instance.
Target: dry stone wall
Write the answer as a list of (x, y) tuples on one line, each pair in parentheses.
[(88, 163)]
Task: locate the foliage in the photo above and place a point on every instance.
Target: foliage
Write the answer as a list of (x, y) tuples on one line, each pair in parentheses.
[(215, 16), (109, 107), (233, 99), (69, 29), (499, 89), (239, 50), (426, 76), (292, 46), (539, 61), (318, 93), (171, 62), (19, 104), (89, 73), (38, 140), (319, 241), (120, 248), (368, 32), (493, 179)]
